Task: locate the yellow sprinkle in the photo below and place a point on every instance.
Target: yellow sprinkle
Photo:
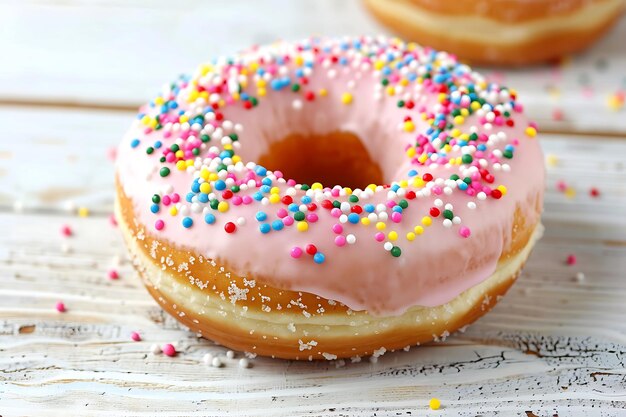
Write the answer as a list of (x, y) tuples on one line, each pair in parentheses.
[(193, 96), (275, 190), (228, 146), (213, 176), (222, 207), (173, 211), (434, 404), (372, 187), (261, 92), (381, 226), (410, 236), (302, 226), (274, 198), (423, 158), (189, 162), (298, 60), (442, 97), (570, 192), (365, 221), (459, 120), (418, 230), (455, 133), (159, 100), (236, 158), (614, 102), (235, 96), (316, 186), (83, 212), (378, 65), (221, 103), (181, 165), (323, 92), (502, 189), (346, 98), (261, 82), (404, 82), (552, 160), (427, 221), (465, 113), (475, 105), (392, 235), (204, 95), (409, 126), (183, 118), (204, 174), (146, 120), (205, 188), (418, 182), (179, 153), (531, 131), (204, 69), (390, 90)]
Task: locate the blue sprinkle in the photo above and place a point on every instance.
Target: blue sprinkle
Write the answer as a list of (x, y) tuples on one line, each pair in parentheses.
[(277, 225), (158, 144), (265, 228), (220, 185), (482, 147), (260, 171), (293, 207), (395, 187), (412, 173), (319, 258), (209, 218), (195, 187), (266, 181), (135, 143), (397, 209), (154, 208), (258, 196), (353, 218), (369, 208), (265, 188), (261, 216), (187, 222), (203, 198), (462, 186), (189, 197), (306, 199)]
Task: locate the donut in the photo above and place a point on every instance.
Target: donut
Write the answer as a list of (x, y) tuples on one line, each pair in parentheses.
[(330, 198), (501, 32)]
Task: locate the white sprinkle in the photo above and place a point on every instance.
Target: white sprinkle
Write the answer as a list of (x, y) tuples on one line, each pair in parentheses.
[(18, 206), (449, 207), (471, 205), (447, 223), (65, 248), (351, 239), (296, 104), (456, 220), (388, 245), (481, 196), (216, 362), (241, 221), (230, 354), (155, 349), (580, 277), (438, 202), (244, 363), (207, 358)]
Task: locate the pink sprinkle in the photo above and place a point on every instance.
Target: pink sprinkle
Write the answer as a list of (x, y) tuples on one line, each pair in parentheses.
[(166, 200), (113, 274), (159, 224), (112, 154), (66, 231), (337, 228), (335, 212), (296, 252), (112, 220), (60, 307), (557, 115), (464, 231), (571, 259), (379, 236), (281, 213), (168, 349), (396, 217), (175, 198), (561, 186), (247, 199), (135, 336), (288, 221), (312, 217), (340, 240)]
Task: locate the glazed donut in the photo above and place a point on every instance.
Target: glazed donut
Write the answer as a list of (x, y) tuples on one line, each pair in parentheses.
[(502, 32), (330, 198)]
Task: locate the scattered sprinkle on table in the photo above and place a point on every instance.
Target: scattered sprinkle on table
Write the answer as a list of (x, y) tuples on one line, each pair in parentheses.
[(135, 336), (60, 307), (571, 259), (434, 404), (168, 349)]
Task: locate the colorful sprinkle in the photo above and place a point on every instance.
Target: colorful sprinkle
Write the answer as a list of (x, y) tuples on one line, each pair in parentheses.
[(60, 307), (168, 349), (136, 337)]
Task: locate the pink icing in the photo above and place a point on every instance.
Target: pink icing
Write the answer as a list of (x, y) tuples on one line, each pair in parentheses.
[(434, 266)]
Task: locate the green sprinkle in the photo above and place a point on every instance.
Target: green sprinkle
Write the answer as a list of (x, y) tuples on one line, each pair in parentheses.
[(164, 172), (396, 252), (448, 214)]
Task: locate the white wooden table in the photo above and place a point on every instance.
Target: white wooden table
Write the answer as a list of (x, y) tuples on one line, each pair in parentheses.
[(70, 76)]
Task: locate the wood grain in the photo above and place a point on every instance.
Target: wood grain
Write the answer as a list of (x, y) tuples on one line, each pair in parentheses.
[(135, 46)]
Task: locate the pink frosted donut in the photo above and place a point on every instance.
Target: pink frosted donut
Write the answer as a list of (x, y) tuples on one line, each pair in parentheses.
[(330, 198)]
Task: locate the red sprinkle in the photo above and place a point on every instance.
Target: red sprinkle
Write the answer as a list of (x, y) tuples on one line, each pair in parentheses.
[(427, 177), (497, 194), (66, 231), (571, 259), (168, 349), (230, 227), (60, 307), (434, 211), (594, 192), (113, 274), (311, 249)]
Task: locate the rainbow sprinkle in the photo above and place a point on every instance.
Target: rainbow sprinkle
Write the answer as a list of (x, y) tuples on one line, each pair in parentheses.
[(185, 129)]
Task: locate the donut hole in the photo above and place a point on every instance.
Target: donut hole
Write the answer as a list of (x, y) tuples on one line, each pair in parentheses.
[(335, 158)]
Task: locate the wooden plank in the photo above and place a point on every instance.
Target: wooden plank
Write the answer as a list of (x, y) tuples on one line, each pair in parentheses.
[(554, 344), (138, 45)]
